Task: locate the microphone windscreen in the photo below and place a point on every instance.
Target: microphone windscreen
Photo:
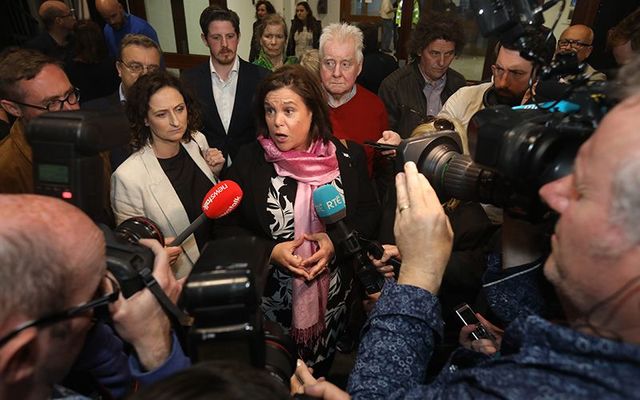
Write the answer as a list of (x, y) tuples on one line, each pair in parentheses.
[(221, 199), (329, 204)]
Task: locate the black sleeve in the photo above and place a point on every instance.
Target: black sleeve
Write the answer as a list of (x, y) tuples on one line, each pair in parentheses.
[(291, 44), (243, 220)]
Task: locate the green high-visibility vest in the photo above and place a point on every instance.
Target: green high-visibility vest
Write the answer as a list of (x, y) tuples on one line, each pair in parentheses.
[(414, 18)]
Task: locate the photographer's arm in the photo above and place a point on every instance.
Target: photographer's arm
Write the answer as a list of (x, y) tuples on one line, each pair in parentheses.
[(141, 321), (399, 335)]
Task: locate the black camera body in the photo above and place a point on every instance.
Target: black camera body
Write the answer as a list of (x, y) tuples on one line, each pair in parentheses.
[(66, 155), (514, 151), (128, 261), (223, 293)]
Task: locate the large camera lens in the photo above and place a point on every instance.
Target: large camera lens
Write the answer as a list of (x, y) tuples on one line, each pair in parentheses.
[(136, 228), (280, 352)]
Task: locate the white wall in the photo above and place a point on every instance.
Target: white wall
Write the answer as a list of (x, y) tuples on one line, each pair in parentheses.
[(159, 16)]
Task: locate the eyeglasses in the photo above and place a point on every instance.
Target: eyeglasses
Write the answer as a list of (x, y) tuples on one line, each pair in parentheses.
[(499, 72), (572, 43), (330, 65), (72, 312), (73, 97), (136, 67)]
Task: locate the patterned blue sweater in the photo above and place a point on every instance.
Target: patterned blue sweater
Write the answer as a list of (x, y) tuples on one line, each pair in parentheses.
[(538, 359)]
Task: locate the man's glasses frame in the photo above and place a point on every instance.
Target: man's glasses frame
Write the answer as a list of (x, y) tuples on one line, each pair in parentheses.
[(137, 68), (73, 97), (66, 314), (572, 43)]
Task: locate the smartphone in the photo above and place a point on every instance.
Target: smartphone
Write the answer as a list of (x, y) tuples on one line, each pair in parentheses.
[(468, 317), (380, 146)]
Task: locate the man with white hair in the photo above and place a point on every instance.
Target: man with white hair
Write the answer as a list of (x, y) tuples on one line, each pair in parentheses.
[(356, 113)]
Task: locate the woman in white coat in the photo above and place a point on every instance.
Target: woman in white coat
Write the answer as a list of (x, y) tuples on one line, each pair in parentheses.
[(171, 168)]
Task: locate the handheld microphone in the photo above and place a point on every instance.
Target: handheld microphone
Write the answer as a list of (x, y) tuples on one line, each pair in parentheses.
[(330, 207), (219, 201)]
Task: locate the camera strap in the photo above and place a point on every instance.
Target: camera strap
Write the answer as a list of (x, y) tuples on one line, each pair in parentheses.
[(169, 307)]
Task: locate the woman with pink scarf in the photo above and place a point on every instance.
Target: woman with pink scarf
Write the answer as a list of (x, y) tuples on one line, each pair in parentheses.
[(309, 279)]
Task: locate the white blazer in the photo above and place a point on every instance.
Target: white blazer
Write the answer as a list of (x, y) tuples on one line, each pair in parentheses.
[(139, 187)]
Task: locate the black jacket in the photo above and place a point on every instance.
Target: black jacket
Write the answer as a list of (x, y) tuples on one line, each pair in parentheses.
[(242, 128), (401, 93)]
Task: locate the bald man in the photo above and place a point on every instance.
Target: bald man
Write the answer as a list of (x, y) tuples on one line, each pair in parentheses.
[(53, 278), (56, 40), (119, 23), (578, 39)]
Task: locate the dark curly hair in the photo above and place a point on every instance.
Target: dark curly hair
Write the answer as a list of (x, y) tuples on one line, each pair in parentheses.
[(138, 106), (434, 26), (302, 82)]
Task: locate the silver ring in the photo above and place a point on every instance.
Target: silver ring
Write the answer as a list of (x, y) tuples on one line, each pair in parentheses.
[(401, 209)]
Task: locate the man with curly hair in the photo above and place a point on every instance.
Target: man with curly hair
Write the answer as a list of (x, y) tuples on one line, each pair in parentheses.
[(421, 87)]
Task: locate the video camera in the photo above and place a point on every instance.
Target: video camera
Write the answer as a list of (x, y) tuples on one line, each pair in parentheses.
[(514, 151), (70, 157)]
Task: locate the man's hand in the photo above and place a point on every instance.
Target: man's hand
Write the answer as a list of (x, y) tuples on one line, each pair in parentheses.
[(141, 321), (172, 251), (422, 231), (303, 382), (392, 138), (485, 346), (381, 264), (215, 160)]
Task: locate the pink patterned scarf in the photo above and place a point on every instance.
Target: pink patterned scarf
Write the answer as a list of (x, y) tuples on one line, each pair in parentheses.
[(312, 168)]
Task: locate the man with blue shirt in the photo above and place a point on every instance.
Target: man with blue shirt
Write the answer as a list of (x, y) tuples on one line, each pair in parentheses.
[(593, 352), (118, 24)]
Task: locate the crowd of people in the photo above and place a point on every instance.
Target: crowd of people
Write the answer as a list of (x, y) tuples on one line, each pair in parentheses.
[(297, 116)]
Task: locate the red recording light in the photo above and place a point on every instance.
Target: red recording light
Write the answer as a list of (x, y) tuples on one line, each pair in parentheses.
[(67, 195)]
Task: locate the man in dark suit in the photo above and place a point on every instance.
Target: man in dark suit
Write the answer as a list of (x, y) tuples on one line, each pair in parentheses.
[(225, 85), (138, 55)]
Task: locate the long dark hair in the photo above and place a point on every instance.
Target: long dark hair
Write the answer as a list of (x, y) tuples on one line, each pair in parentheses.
[(137, 108), (302, 82), (310, 23)]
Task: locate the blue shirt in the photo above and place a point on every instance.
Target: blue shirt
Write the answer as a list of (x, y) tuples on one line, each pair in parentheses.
[(132, 24), (538, 359)]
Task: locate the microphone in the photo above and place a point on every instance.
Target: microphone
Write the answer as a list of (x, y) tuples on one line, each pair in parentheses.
[(219, 201), (330, 207)]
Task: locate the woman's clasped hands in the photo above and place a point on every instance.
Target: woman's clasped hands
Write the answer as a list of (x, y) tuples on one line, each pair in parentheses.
[(284, 254)]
